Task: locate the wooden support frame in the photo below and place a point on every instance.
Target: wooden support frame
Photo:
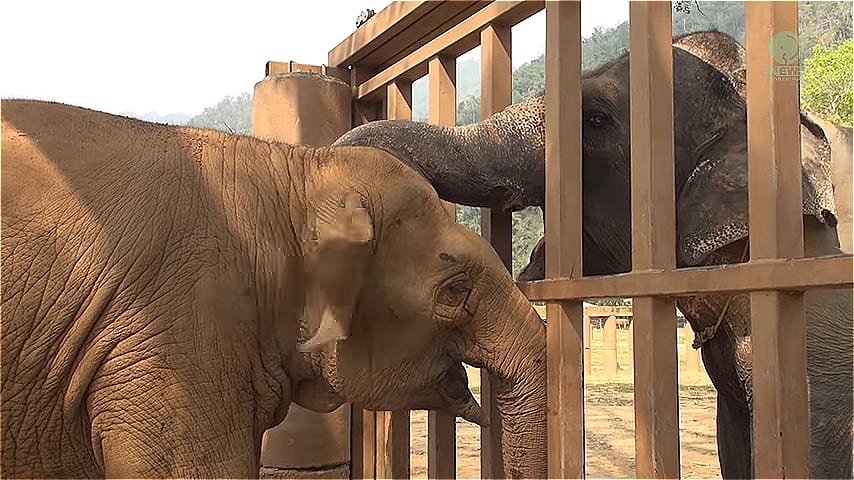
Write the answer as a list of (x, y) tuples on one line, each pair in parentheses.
[(656, 358), (393, 427), (564, 330), (385, 62), (496, 93), (441, 425), (781, 424)]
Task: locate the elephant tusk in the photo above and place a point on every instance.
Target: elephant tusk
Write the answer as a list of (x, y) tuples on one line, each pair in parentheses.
[(330, 330)]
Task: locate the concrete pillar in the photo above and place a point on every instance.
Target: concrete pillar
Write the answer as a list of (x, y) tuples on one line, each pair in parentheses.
[(587, 338), (692, 357), (309, 109), (301, 108), (609, 346)]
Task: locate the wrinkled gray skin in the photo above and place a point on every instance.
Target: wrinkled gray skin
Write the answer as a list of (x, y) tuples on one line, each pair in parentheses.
[(156, 281), (711, 186), (842, 160)]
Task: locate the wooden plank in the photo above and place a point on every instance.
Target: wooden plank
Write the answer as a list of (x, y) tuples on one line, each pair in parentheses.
[(362, 443), (456, 41), (363, 111), (379, 29), (441, 425), (496, 92), (656, 357), (398, 29), (564, 330), (778, 329), (442, 101), (445, 17), (832, 271), (393, 427)]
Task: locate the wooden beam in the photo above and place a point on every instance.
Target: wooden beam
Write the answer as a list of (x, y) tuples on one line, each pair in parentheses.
[(456, 41), (379, 29), (393, 427), (441, 425), (362, 444), (781, 424), (832, 271), (656, 358), (496, 92), (564, 332), (363, 111)]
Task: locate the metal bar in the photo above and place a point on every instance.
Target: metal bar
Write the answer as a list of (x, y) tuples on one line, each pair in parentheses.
[(653, 238), (832, 271), (495, 93), (441, 425), (781, 425), (564, 330), (452, 43)]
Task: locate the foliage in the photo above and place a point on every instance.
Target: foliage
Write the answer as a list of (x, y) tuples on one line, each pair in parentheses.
[(823, 23), (826, 85), (231, 114)]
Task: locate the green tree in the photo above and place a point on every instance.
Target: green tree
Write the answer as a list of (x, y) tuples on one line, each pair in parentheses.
[(826, 83), (231, 114)]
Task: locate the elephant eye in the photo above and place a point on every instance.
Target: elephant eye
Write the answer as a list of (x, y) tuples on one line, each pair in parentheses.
[(454, 293), (596, 119)]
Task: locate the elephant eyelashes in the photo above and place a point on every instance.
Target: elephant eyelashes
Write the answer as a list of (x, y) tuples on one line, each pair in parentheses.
[(454, 293)]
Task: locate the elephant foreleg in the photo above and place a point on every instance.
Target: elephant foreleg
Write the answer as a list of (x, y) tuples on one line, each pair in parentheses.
[(734, 441)]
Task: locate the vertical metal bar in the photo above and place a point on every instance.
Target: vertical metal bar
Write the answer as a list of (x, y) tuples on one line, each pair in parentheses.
[(778, 331), (393, 427), (495, 93), (653, 238), (441, 425), (563, 237)]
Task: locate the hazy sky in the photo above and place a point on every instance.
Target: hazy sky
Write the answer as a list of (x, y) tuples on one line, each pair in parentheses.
[(183, 55)]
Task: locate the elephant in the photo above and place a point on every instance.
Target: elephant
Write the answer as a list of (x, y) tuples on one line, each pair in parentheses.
[(500, 162), (159, 284)]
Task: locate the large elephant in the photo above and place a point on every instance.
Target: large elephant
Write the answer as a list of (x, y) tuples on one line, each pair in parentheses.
[(157, 281), (499, 163)]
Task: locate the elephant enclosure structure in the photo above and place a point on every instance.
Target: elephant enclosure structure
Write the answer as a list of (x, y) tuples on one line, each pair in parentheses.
[(408, 40)]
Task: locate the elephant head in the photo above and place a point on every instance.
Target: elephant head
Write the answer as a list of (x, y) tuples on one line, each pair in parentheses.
[(399, 296), (499, 163)]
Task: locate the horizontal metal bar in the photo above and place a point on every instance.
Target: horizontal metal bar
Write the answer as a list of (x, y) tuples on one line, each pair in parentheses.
[(832, 271), (454, 42)]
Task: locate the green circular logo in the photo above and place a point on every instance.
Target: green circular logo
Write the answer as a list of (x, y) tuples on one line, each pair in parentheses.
[(784, 48)]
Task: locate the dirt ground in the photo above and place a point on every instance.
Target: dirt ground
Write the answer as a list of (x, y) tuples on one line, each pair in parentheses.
[(609, 426)]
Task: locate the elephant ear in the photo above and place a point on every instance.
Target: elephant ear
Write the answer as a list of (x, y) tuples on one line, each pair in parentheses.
[(712, 208), (336, 257)]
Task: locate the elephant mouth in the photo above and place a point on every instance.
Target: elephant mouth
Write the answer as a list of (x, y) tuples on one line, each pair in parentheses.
[(453, 387)]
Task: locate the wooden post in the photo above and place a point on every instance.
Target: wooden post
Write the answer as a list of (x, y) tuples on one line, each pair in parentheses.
[(609, 346), (780, 406), (587, 337), (496, 226), (363, 437), (393, 427), (631, 345), (564, 330), (441, 425), (653, 238)]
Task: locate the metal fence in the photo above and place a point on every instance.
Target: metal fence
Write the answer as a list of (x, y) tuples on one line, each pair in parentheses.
[(407, 40)]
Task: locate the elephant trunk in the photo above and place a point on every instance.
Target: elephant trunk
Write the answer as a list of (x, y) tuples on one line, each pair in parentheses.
[(513, 348), (497, 163)]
